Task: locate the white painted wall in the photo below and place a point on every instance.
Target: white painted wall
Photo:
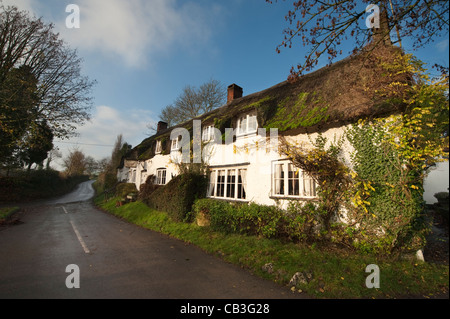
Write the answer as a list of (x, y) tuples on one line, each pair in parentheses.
[(436, 181), (257, 154)]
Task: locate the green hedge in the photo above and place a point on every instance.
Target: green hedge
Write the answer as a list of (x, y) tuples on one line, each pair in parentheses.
[(177, 197), (299, 222), (39, 184), (124, 189)]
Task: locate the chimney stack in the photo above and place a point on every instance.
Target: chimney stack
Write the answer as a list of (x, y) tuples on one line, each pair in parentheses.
[(382, 34), (161, 126), (234, 92)]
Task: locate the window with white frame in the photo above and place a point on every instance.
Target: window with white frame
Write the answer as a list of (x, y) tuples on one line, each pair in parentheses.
[(158, 147), (161, 176), (208, 133), (175, 144), (228, 183), (247, 124), (289, 181)]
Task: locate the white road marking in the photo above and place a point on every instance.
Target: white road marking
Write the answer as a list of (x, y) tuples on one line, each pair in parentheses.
[(83, 244), (65, 211)]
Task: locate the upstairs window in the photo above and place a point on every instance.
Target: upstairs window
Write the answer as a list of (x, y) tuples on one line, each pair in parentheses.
[(208, 134), (175, 144), (247, 124), (158, 148)]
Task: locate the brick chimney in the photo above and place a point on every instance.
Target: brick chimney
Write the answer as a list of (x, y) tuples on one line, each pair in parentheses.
[(161, 126), (381, 34), (234, 92)]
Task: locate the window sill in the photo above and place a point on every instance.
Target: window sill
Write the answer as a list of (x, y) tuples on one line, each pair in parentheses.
[(226, 199), (247, 134), (294, 197)]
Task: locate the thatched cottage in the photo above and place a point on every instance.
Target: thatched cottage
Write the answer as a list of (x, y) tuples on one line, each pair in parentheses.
[(239, 140)]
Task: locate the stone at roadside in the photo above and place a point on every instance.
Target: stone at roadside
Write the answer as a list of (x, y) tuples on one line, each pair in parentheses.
[(300, 278), (268, 268)]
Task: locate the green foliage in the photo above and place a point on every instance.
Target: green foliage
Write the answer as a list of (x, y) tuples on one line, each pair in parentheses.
[(301, 222), (124, 189), (383, 192), (36, 184), (322, 162), (38, 142), (6, 212), (18, 99), (146, 189), (390, 217), (177, 197), (304, 222)]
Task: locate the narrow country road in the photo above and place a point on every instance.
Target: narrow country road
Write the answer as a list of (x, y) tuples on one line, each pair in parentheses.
[(115, 259)]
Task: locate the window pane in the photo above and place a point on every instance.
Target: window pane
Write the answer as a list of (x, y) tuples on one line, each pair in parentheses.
[(208, 134), (231, 183), (242, 126), (293, 181), (220, 183), (163, 177), (252, 124), (242, 183), (279, 179), (309, 186), (158, 147), (212, 183), (175, 144)]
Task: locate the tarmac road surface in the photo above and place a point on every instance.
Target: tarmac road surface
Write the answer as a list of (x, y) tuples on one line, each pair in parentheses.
[(111, 258)]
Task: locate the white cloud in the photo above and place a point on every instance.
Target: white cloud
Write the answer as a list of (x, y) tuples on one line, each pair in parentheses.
[(442, 45), (97, 137), (135, 29), (108, 122), (27, 5)]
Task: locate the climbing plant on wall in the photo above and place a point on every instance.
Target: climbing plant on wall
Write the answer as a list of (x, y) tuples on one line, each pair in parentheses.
[(382, 191)]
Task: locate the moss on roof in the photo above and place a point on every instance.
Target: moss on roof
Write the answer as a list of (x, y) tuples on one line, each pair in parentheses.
[(331, 96)]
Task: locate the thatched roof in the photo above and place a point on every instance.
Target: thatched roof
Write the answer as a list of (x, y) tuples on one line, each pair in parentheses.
[(332, 96)]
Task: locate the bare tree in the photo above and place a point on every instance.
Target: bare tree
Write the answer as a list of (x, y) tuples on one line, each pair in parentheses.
[(194, 101), (170, 115), (211, 95), (75, 163), (324, 25)]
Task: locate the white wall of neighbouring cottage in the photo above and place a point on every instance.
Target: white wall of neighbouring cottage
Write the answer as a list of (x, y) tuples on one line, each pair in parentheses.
[(436, 181)]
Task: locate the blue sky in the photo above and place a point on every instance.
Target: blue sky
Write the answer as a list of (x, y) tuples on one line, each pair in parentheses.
[(143, 52)]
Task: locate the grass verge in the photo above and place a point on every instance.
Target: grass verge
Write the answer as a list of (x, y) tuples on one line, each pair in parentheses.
[(335, 273), (6, 212)]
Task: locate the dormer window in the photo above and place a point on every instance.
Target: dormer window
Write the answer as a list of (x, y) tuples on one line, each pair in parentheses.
[(208, 133), (158, 148), (247, 124), (175, 144)]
